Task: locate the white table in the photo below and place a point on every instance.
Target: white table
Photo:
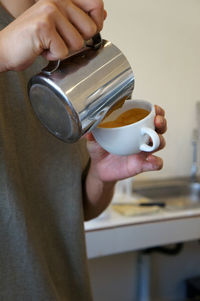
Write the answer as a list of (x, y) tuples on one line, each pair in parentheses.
[(116, 234)]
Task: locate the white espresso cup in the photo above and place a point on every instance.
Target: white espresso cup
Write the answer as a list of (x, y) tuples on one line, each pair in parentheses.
[(132, 138)]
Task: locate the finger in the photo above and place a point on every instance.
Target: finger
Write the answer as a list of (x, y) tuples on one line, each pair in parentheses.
[(83, 23), (153, 163), (89, 137), (143, 162), (162, 143), (57, 34), (56, 47), (105, 14), (95, 8), (98, 17), (160, 124), (69, 33), (159, 111)]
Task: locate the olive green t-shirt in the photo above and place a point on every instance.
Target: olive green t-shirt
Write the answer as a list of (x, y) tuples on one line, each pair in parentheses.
[(42, 244)]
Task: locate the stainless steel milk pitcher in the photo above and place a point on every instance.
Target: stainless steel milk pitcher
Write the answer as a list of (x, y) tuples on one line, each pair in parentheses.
[(71, 97)]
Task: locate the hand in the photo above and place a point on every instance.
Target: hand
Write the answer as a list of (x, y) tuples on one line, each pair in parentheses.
[(95, 9), (110, 168), (49, 27)]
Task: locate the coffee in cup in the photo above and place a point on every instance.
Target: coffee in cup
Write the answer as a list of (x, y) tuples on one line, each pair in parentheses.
[(125, 118), (128, 129)]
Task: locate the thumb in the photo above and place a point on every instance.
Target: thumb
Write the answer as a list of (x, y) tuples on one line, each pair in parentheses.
[(89, 137)]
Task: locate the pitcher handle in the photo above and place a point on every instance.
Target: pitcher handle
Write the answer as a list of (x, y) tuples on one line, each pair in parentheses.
[(95, 42)]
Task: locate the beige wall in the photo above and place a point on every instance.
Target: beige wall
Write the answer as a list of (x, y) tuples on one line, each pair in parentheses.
[(161, 39)]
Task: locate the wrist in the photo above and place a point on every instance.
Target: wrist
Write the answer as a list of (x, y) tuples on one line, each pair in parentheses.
[(97, 194)]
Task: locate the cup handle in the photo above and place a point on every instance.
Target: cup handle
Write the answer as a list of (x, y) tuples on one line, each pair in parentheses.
[(154, 137)]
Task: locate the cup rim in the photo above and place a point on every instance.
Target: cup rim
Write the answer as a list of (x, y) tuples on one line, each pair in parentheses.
[(137, 122)]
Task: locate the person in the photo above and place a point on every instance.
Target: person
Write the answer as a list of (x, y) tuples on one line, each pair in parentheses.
[(47, 187)]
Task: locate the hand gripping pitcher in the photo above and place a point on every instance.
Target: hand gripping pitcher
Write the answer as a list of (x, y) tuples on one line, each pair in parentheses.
[(71, 97)]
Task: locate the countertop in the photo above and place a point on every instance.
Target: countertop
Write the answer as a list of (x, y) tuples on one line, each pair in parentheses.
[(113, 233)]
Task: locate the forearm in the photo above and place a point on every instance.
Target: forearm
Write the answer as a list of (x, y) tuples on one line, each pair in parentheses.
[(97, 195), (16, 8)]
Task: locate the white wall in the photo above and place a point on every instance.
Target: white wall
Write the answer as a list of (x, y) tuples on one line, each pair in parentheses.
[(161, 39)]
